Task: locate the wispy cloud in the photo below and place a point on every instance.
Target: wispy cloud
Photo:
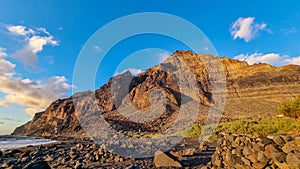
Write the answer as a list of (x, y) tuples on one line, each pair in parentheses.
[(41, 29), (2, 52), (163, 56), (133, 71), (9, 119), (206, 48), (6, 67), (247, 28), (35, 40), (98, 48), (33, 95), (270, 58), (290, 31)]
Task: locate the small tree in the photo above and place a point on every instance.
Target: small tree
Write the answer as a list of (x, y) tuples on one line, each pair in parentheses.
[(291, 108)]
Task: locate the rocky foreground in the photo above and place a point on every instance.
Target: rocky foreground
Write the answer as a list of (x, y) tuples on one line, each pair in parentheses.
[(230, 151), (86, 154), (256, 151)]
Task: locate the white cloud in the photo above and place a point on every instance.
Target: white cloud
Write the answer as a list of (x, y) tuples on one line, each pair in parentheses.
[(43, 30), (34, 43), (246, 28), (270, 58), (2, 52), (163, 56), (33, 95), (19, 30), (133, 71), (6, 67), (293, 60), (26, 57)]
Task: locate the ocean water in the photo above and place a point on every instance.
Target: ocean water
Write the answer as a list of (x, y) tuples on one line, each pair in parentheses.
[(11, 142)]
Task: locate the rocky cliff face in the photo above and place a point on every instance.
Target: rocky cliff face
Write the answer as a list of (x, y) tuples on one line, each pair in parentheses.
[(252, 91)]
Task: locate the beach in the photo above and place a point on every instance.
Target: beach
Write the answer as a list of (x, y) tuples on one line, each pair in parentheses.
[(13, 142), (86, 154)]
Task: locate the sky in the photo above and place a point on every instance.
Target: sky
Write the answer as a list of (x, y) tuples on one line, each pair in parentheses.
[(41, 41)]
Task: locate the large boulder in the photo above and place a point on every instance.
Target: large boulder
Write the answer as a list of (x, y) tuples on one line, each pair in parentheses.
[(161, 159)]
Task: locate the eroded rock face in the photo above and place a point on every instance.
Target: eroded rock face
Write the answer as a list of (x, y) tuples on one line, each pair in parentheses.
[(252, 91)]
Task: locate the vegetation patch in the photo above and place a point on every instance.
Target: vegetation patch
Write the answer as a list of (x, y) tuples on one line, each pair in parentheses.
[(291, 108), (264, 126)]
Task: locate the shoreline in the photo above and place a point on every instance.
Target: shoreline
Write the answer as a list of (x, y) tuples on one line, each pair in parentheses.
[(230, 150), (86, 154), (17, 142)]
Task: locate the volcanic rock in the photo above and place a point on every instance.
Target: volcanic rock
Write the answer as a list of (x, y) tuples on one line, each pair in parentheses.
[(163, 160)]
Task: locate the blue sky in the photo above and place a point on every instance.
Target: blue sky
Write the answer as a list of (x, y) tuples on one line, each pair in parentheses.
[(40, 42)]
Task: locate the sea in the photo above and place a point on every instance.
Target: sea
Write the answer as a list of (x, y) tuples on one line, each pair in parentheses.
[(12, 142)]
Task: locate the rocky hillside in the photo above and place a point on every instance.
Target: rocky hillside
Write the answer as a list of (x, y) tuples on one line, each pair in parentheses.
[(252, 91)]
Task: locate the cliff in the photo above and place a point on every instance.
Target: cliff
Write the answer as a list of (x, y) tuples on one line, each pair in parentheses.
[(252, 91)]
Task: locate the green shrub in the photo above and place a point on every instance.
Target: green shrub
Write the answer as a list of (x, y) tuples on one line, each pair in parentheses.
[(265, 126), (291, 109)]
